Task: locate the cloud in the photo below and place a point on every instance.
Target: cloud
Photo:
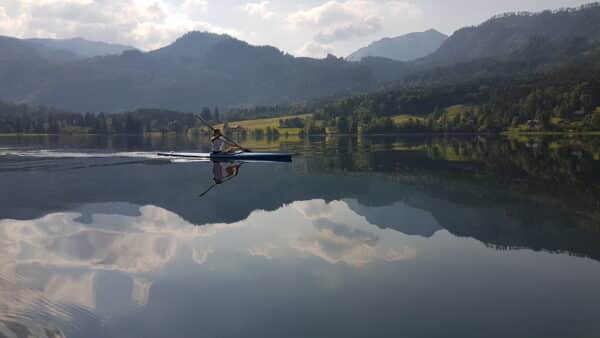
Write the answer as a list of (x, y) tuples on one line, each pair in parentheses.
[(315, 50), (331, 12), (338, 20), (369, 26), (404, 10), (195, 7), (143, 24), (259, 9)]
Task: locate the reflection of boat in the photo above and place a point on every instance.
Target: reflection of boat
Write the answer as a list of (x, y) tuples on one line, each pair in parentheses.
[(279, 157)]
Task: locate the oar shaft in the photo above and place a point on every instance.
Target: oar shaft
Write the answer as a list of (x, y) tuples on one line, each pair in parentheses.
[(225, 137)]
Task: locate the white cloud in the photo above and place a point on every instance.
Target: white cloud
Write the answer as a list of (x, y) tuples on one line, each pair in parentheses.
[(143, 24), (314, 50), (259, 9), (344, 20), (404, 10), (368, 26), (340, 25), (331, 12), (195, 6)]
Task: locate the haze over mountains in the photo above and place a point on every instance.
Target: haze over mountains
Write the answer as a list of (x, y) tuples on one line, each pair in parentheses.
[(204, 69), (81, 48), (407, 47)]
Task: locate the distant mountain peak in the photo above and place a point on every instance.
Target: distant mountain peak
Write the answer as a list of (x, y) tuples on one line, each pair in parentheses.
[(197, 35), (194, 44), (406, 47)]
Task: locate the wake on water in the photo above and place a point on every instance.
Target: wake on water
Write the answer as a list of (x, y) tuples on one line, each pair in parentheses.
[(57, 153), (15, 159)]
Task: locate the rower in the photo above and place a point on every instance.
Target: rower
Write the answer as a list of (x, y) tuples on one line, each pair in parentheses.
[(223, 172), (218, 141)]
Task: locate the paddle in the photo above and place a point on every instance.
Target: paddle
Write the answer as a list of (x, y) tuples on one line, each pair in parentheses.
[(225, 137)]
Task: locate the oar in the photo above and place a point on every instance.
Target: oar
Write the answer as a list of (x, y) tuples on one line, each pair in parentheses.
[(215, 184), (207, 190), (225, 137)]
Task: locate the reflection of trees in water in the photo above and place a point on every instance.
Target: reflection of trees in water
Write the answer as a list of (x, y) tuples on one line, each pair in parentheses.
[(539, 193)]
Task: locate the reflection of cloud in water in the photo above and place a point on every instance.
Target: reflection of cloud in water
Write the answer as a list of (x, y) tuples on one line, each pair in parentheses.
[(335, 249), (58, 240), (145, 243), (140, 291), (314, 209), (200, 256), (347, 242), (26, 312), (68, 289), (62, 254)]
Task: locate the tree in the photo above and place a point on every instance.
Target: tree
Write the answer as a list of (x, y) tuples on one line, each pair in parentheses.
[(341, 124)]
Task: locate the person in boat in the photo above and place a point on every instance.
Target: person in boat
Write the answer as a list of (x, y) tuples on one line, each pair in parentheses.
[(225, 171), (219, 141)]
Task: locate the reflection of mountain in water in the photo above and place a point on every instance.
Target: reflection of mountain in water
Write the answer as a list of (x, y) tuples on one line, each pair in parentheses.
[(418, 196), (398, 216)]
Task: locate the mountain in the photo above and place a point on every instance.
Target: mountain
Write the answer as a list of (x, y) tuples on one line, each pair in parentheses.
[(81, 47), (24, 67), (17, 50), (402, 48), (198, 69), (203, 69), (554, 33)]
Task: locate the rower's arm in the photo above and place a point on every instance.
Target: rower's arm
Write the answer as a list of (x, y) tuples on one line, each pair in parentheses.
[(231, 143)]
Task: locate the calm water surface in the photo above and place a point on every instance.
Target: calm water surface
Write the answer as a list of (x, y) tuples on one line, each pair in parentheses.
[(369, 237)]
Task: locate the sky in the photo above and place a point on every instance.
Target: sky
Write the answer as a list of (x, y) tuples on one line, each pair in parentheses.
[(303, 27)]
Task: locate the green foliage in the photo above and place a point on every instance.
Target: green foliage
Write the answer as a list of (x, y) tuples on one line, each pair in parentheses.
[(295, 122), (563, 93), (29, 119)]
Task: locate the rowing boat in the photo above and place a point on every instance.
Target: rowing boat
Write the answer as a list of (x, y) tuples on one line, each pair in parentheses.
[(241, 156)]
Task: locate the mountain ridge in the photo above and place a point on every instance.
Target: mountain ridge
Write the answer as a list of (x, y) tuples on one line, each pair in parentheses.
[(206, 69), (406, 47), (81, 47)]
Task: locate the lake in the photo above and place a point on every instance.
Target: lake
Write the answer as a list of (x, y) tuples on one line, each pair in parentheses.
[(413, 236)]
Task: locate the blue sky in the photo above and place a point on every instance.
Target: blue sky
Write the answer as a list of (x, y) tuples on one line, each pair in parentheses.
[(309, 27)]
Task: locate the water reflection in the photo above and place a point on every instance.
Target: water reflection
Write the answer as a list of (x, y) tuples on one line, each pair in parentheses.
[(355, 238), (72, 257), (124, 263)]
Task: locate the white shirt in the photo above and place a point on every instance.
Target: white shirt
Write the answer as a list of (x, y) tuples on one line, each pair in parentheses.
[(218, 143)]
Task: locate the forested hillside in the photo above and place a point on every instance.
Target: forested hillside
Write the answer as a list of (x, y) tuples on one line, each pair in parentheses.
[(512, 34)]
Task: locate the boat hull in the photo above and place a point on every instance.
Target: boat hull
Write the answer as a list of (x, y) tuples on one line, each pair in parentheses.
[(276, 157)]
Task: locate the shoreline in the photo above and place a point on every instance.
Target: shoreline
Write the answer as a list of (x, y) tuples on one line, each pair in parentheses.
[(503, 133)]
